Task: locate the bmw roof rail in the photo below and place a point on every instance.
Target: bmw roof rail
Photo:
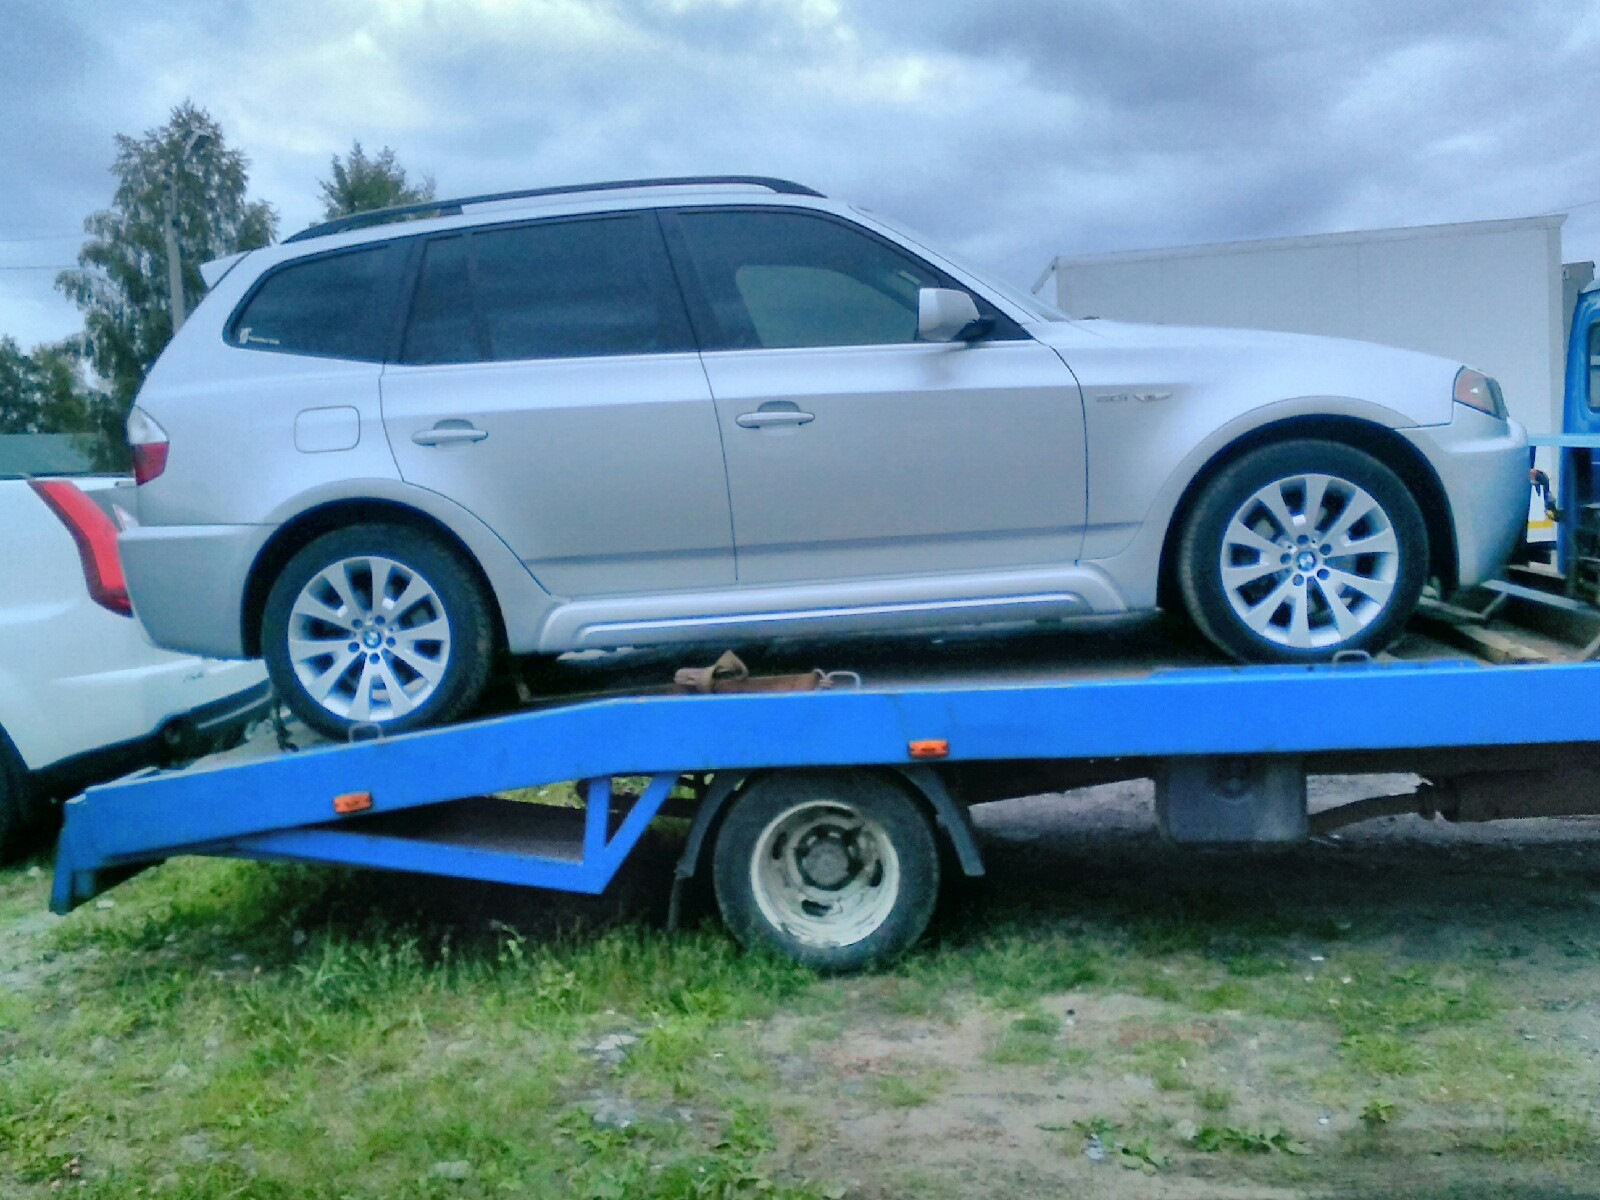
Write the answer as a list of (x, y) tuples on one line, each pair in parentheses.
[(453, 208)]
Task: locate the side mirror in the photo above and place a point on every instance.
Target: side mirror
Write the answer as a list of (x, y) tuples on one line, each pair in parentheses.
[(948, 315)]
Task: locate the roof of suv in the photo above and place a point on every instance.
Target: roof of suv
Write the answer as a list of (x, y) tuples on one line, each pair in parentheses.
[(457, 206)]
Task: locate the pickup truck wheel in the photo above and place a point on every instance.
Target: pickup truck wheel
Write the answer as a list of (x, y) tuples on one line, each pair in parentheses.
[(377, 625), (838, 870), (1300, 550)]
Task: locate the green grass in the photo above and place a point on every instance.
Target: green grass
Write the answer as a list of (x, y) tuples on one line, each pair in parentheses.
[(910, 1085), (1274, 1139), (1027, 1040), (268, 1031), (240, 1027), (1537, 1131)]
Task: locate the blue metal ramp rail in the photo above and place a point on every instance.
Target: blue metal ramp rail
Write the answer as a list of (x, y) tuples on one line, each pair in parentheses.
[(413, 787)]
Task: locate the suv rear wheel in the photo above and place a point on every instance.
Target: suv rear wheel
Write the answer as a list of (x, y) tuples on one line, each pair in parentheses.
[(1300, 550), (377, 625)]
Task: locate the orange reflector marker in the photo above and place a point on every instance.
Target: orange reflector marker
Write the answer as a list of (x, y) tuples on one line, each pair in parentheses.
[(352, 802), (930, 748)]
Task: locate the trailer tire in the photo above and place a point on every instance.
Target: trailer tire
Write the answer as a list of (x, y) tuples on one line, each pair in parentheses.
[(433, 679), (1264, 588), (838, 870)]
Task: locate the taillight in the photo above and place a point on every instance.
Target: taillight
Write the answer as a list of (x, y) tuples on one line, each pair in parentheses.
[(96, 537), (149, 444)]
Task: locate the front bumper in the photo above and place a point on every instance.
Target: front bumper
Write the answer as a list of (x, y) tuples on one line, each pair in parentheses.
[(1483, 464), (221, 723), (187, 583), (212, 726)]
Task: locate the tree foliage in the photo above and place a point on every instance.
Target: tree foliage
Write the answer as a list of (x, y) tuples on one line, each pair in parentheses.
[(362, 184), (46, 392), (121, 279)]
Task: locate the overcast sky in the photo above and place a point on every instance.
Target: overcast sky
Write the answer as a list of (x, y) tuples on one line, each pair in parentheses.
[(1012, 130)]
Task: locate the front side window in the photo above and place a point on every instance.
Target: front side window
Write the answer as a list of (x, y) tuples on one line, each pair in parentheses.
[(331, 306), (775, 279), (553, 289)]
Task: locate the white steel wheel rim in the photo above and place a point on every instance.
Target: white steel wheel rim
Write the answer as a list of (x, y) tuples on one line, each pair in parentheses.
[(1309, 561), (825, 874), (369, 639)]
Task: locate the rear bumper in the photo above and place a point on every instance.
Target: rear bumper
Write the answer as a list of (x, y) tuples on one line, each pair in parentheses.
[(187, 583), (1483, 464)]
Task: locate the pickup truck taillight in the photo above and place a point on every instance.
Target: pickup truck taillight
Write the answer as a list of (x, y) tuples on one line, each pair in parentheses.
[(149, 443), (96, 537)]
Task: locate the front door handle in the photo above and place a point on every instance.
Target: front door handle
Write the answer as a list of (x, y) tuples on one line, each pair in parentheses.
[(449, 433), (773, 418)]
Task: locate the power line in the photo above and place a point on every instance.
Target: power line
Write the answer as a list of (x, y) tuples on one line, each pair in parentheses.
[(42, 267), (43, 237), (1560, 208)]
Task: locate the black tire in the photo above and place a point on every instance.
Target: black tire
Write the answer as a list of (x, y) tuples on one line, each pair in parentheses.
[(454, 596), (1276, 635), (874, 854), (16, 802)]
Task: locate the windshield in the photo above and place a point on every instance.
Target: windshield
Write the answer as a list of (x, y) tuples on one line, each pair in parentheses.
[(1036, 308), (28, 454)]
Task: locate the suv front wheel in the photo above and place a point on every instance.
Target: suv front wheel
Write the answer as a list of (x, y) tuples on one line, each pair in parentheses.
[(1300, 550), (377, 625)]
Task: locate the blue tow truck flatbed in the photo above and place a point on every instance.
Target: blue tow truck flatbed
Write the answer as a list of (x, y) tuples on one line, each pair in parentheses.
[(821, 813)]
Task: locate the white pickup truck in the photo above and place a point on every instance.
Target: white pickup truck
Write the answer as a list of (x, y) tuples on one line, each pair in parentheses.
[(84, 696)]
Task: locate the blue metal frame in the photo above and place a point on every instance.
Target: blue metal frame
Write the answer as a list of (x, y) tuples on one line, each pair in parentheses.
[(282, 807), (1580, 424)]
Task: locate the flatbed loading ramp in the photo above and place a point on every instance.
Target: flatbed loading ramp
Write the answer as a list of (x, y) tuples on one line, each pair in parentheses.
[(820, 814)]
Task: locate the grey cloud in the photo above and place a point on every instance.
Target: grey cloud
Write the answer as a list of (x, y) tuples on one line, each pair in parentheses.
[(1015, 131)]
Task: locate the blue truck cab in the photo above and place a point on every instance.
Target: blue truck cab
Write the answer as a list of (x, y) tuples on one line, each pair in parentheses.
[(1579, 537)]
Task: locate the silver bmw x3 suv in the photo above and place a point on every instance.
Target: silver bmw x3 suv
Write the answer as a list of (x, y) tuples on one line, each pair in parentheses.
[(722, 409)]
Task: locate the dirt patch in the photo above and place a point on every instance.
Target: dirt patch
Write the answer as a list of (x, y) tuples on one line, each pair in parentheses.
[(1174, 1092)]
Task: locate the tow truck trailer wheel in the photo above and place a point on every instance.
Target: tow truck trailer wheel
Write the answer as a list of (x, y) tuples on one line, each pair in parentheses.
[(836, 869)]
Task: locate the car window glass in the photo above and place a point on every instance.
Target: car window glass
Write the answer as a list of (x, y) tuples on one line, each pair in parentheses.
[(326, 306), (811, 306), (1594, 365), (1035, 306), (564, 289), (779, 279), (55, 454), (443, 327)]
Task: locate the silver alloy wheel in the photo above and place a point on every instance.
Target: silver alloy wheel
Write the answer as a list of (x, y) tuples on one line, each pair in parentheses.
[(369, 639), (1309, 561), (825, 874)]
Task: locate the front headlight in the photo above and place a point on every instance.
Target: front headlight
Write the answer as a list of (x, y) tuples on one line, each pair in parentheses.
[(1477, 390)]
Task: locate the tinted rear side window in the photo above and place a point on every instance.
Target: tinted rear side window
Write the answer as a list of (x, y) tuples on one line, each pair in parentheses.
[(333, 306), (443, 326), (555, 289)]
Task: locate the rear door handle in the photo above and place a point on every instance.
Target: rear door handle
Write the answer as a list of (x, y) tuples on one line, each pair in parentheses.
[(766, 417), (448, 433)]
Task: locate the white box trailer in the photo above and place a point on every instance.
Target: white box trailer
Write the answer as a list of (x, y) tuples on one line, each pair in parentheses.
[(1493, 294)]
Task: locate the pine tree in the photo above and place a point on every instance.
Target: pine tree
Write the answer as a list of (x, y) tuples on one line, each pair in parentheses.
[(362, 184), (121, 280)]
